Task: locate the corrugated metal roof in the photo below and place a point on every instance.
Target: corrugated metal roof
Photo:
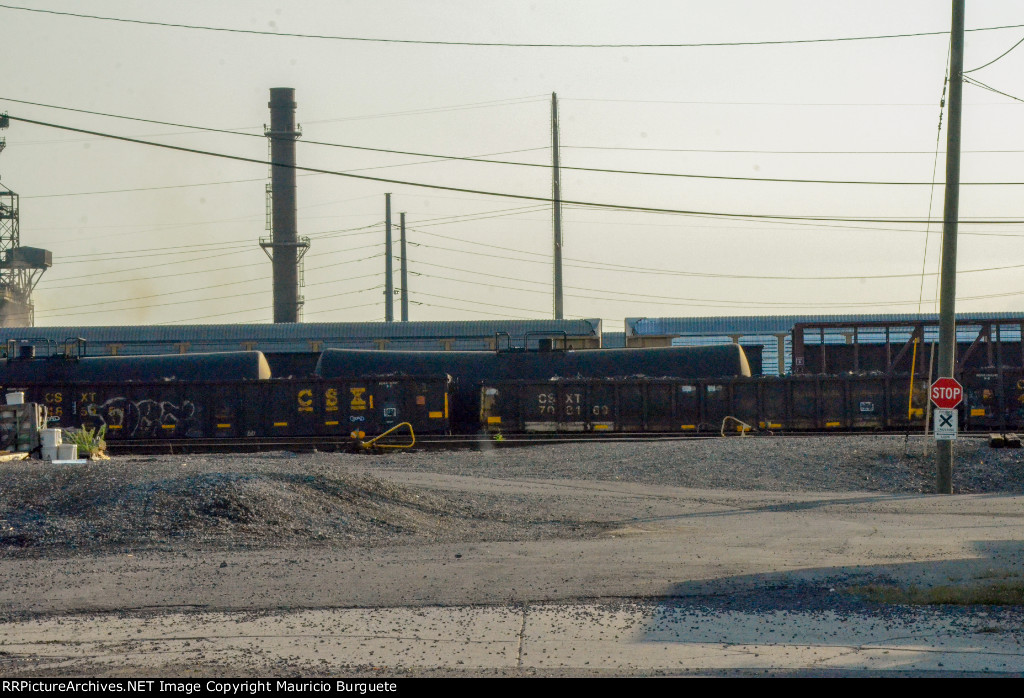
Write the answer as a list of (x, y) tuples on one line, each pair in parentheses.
[(298, 336), (613, 340), (751, 324)]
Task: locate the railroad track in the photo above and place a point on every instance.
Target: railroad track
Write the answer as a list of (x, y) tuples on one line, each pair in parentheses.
[(442, 442)]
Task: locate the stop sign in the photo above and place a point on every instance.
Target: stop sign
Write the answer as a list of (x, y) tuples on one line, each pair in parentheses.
[(946, 393)]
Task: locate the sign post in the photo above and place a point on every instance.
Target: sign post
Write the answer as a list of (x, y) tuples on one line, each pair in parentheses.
[(946, 394)]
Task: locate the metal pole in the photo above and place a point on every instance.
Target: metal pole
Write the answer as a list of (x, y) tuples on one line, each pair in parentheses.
[(405, 273), (389, 282), (947, 292), (284, 235), (556, 200)]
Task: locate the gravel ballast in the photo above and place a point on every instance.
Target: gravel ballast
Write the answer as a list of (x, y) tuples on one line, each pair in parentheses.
[(345, 500)]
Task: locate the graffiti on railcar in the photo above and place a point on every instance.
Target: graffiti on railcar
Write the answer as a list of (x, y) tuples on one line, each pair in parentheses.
[(128, 418)]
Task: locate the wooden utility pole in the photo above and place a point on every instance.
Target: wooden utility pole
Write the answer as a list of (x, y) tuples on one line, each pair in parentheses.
[(389, 281), (405, 273), (947, 292), (556, 201)]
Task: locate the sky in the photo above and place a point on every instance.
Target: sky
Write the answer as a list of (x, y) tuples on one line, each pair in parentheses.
[(143, 235)]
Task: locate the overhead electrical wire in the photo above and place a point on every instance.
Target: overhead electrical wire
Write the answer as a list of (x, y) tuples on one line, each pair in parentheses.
[(979, 83), (78, 277), (642, 297), (523, 197), (240, 243), (118, 256), (787, 225), (48, 310), (507, 102), (474, 302), (484, 159), (609, 266), (1001, 55), (295, 35), (652, 299), (232, 313), (346, 307), (159, 188), (935, 167), (773, 152), (185, 302), (489, 313)]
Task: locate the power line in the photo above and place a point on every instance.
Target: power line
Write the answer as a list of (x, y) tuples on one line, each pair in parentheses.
[(232, 313), (48, 311), (78, 277), (523, 197), (484, 159), (609, 266), (488, 313), (972, 70), (652, 299), (346, 307), (493, 305), (774, 152), (638, 297), (117, 256), (183, 302), (979, 83), (507, 102), (238, 132), (123, 191), (787, 224), (295, 35)]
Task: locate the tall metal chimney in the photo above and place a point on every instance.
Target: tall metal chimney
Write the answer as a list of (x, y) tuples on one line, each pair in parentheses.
[(285, 248)]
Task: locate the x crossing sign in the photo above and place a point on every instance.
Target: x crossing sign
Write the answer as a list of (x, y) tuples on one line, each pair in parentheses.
[(945, 425)]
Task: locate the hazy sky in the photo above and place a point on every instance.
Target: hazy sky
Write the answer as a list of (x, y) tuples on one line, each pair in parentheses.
[(187, 252)]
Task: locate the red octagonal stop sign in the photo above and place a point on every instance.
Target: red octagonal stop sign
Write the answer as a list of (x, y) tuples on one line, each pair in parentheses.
[(946, 393)]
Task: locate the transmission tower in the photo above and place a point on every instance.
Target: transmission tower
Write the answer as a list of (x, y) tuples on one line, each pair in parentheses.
[(20, 267)]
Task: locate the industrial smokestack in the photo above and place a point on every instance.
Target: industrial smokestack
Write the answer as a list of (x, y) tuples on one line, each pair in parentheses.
[(286, 249)]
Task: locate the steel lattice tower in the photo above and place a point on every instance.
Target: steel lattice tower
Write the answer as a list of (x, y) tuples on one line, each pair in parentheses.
[(20, 267)]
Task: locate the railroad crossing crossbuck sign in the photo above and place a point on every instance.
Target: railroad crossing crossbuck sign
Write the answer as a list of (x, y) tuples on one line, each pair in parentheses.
[(945, 425), (946, 393)]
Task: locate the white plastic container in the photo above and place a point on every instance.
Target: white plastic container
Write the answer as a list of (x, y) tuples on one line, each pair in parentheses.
[(67, 452), (50, 437), (16, 398), (48, 453)]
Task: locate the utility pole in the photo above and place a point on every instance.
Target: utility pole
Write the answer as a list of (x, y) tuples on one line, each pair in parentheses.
[(556, 201), (405, 273), (389, 282), (947, 293)]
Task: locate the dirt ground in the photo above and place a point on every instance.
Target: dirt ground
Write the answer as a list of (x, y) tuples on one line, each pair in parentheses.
[(770, 525)]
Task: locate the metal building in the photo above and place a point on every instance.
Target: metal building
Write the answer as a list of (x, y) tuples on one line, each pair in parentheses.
[(773, 333), (477, 335)]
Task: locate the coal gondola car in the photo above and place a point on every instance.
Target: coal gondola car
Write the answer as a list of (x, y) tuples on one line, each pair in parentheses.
[(219, 395), (468, 370), (162, 396)]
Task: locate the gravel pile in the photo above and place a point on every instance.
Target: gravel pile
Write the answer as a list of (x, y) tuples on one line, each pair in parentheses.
[(255, 500), (283, 499)]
